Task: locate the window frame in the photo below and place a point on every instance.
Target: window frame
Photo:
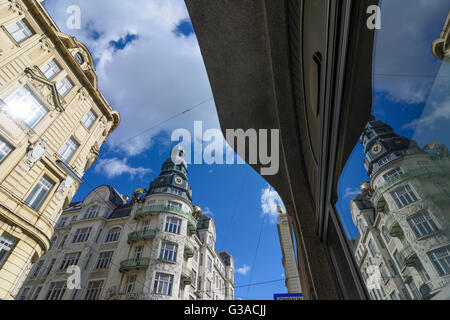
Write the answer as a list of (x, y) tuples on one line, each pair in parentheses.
[(23, 25), (44, 183)]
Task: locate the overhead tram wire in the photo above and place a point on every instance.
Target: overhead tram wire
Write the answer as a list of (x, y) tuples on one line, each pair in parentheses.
[(256, 251), (158, 124)]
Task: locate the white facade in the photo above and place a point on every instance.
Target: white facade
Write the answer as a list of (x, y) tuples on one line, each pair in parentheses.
[(158, 246)]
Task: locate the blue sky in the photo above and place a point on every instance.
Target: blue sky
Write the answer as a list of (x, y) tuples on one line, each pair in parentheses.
[(150, 68)]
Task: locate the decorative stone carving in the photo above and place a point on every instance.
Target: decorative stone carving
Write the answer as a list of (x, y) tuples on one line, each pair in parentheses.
[(15, 7), (92, 156), (34, 154), (63, 187), (46, 44), (107, 128)]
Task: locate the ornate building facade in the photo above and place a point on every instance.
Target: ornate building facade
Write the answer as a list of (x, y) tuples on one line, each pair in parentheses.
[(403, 217), (53, 120), (156, 246)]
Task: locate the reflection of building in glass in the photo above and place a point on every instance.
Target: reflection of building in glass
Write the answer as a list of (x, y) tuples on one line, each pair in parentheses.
[(158, 246), (402, 215), (441, 46), (289, 253)]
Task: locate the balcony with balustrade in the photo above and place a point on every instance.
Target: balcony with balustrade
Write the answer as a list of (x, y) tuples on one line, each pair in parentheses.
[(141, 235), (134, 264)]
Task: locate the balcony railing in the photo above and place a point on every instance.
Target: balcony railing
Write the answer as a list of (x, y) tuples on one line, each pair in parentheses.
[(189, 249), (409, 257), (141, 235), (155, 209), (136, 263), (393, 227), (407, 175), (186, 276)]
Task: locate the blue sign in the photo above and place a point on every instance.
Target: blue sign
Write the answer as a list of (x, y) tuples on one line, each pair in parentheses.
[(288, 296)]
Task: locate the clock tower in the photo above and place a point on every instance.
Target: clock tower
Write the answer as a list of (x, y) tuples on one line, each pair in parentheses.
[(382, 145), (173, 177)]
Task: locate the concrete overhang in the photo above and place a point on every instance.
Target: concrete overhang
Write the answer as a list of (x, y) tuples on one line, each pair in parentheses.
[(261, 59)]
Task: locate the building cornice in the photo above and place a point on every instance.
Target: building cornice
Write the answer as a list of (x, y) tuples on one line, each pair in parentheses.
[(40, 15)]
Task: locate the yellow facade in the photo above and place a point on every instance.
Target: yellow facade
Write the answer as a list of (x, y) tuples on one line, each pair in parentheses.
[(53, 120)]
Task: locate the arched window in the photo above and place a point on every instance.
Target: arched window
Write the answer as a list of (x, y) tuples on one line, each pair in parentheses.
[(386, 235), (113, 235), (79, 58), (92, 212)]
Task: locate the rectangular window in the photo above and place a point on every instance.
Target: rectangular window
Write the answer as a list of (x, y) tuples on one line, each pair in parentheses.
[(131, 282), (36, 293), (138, 252), (5, 149), (392, 173), (208, 286), (50, 267), (384, 160), (61, 245), (81, 235), (384, 272), (68, 150), (56, 290), (398, 260), (24, 294), (61, 222), (168, 251), (7, 244), (394, 295), (39, 193), (64, 86), (104, 259), (173, 225), (422, 224), (24, 105), (50, 69), (441, 260), (145, 225), (37, 268), (19, 30), (70, 259), (163, 284), (88, 119), (404, 196), (195, 254), (93, 290), (194, 277), (174, 204), (209, 264)]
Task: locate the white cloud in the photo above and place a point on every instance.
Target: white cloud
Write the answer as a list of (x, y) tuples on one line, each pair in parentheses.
[(155, 77), (115, 167), (438, 112), (269, 202), (243, 270), (350, 192), (404, 66), (207, 211)]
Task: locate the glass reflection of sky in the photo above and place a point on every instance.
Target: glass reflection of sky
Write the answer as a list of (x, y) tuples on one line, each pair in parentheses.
[(411, 87)]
